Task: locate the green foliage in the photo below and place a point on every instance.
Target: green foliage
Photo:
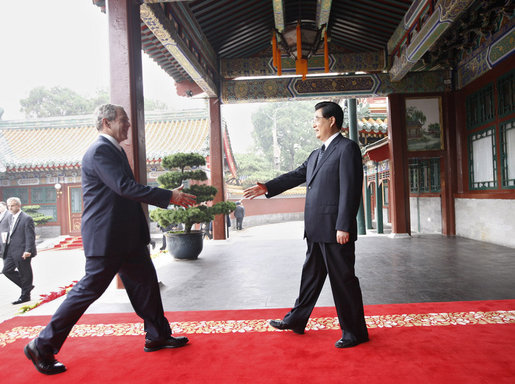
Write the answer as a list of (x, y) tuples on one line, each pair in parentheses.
[(294, 130), (180, 169), (59, 101), (38, 217), (415, 115), (183, 160), (253, 168), (56, 101)]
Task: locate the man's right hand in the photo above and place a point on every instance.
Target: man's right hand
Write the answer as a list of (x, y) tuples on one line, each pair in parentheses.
[(255, 191), (181, 198)]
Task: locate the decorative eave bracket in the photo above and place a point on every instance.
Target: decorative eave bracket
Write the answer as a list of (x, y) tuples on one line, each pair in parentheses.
[(165, 31), (411, 40)]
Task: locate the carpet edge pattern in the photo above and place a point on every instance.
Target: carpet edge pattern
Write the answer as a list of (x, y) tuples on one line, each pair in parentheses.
[(261, 325)]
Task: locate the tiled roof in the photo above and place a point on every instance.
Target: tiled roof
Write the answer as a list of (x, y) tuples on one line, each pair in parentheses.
[(61, 142), (371, 125)]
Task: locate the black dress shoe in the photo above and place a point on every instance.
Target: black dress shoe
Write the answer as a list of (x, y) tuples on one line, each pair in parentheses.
[(22, 299), (44, 364), (279, 324), (172, 342), (346, 343)]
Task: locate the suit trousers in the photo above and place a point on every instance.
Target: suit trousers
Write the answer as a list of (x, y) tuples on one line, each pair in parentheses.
[(19, 271), (140, 280), (337, 261)]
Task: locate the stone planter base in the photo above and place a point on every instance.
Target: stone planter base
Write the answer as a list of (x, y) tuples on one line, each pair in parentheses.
[(185, 246)]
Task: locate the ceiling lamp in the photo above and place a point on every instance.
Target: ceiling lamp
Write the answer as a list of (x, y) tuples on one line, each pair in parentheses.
[(300, 41)]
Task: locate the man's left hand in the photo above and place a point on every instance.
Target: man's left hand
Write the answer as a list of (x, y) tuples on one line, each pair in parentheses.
[(25, 255), (342, 237)]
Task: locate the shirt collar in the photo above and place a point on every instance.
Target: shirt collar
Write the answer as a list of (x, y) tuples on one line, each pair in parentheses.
[(15, 217), (328, 141), (112, 140)]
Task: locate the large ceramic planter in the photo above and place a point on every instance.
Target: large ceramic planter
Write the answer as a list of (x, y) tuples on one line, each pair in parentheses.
[(185, 246)]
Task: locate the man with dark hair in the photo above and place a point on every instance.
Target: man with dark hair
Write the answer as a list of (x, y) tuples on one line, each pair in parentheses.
[(115, 235), (333, 175)]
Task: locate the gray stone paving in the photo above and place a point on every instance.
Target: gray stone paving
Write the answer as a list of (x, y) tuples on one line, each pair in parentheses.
[(259, 267)]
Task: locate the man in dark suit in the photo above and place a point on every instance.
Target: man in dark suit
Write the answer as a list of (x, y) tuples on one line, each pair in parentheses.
[(333, 175), (4, 226), (115, 235), (19, 249)]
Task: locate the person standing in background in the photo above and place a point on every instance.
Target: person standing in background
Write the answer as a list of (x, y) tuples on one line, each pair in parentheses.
[(19, 249)]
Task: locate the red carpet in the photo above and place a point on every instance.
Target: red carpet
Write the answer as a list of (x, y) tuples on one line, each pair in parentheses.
[(72, 242), (460, 342)]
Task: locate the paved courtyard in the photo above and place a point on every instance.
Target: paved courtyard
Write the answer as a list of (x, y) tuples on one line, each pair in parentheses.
[(259, 267)]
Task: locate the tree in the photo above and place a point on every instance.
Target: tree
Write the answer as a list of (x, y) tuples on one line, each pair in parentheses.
[(285, 130), (56, 101), (184, 166), (253, 168), (38, 217), (415, 115), (59, 101)]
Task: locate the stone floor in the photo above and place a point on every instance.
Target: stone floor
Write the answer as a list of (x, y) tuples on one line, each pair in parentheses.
[(259, 267)]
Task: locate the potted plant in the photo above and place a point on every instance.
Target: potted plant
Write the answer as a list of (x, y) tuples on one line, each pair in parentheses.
[(184, 167), (38, 217)]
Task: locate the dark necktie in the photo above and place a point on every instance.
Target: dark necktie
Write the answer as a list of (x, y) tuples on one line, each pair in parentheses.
[(320, 154)]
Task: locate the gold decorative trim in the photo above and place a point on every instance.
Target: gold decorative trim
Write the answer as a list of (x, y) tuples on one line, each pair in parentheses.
[(261, 325)]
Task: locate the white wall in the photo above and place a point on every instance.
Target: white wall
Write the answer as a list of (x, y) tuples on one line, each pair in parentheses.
[(425, 214), (491, 220)]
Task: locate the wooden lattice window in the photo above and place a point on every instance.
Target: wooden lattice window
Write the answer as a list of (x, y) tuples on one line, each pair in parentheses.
[(506, 93), (480, 107), (508, 154), (21, 192), (424, 175), (43, 195), (482, 158)]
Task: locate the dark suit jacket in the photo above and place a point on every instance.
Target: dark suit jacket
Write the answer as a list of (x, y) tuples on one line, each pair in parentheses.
[(22, 238), (333, 190), (4, 227), (113, 221)]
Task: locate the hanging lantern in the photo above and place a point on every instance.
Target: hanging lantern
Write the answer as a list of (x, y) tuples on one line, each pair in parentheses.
[(300, 41)]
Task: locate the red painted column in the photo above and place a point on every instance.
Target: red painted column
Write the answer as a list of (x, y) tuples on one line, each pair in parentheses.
[(126, 77), (449, 178), (127, 80), (216, 163), (397, 146)]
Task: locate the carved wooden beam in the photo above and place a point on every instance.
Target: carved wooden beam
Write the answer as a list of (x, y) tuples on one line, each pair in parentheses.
[(323, 12), (418, 38), (198, 65), (338, 62), (287, 88), (278, 14)]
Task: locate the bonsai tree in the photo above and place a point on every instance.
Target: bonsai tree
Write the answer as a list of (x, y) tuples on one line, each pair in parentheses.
[(38, 217), (182, 167)]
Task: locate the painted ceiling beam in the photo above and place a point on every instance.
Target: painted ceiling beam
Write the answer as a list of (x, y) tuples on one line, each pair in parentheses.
[(409, 47), (166, 32), (162, 1), (279, 14), (338, 62), (323, 12)]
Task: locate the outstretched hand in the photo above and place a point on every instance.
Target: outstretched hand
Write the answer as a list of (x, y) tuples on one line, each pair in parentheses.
[(181, 198), (255, 191)]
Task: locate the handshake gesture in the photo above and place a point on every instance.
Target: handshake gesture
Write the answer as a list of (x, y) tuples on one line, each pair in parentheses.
[(181, 198), (255, 191)]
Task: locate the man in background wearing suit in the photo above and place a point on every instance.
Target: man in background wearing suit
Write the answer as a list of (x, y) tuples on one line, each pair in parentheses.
[(19, 249), (333, 175), (4, 226), (115, 235)]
